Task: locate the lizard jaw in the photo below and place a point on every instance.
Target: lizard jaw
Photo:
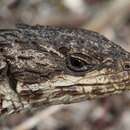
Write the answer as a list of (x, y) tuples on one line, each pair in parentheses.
[(68, 89)]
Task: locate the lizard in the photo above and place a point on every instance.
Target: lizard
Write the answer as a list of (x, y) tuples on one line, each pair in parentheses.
[(49, 65)]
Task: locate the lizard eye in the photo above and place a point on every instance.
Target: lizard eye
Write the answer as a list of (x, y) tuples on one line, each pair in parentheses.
[(78, 65)]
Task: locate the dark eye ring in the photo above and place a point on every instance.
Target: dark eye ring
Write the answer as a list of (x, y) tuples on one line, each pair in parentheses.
[(77, 65)]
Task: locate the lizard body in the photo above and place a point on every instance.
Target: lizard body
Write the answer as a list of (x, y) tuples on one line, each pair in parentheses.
[(44, 65)]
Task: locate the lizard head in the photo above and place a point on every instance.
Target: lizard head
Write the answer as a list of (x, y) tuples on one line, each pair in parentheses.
[(88, 64)]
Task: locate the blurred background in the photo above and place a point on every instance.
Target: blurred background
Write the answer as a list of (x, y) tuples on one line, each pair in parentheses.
[(109, 17)]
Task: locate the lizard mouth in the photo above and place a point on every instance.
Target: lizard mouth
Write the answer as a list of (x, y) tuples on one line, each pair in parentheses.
[(79, 90), (99, 89), (108, 84)]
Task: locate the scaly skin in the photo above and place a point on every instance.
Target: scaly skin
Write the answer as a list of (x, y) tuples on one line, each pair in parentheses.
[(42, 65)]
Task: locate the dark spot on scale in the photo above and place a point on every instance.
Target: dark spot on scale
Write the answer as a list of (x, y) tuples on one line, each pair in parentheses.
[(97, 91), (31, 94), (63, 50)]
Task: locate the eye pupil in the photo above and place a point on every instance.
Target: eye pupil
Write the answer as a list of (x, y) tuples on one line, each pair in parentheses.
[(76, 63)]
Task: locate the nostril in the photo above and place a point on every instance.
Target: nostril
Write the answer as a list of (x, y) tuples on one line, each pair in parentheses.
[(127, 66)]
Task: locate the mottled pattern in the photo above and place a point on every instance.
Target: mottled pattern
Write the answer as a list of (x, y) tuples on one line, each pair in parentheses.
[(44, 65)]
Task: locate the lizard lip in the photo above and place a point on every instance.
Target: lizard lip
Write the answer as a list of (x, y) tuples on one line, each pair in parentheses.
[(87, 91), (114, 78), (87, 88), (100, 89)]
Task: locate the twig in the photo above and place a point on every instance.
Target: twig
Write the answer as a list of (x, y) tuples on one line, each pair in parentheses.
[(115, 10), (43, 115)]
